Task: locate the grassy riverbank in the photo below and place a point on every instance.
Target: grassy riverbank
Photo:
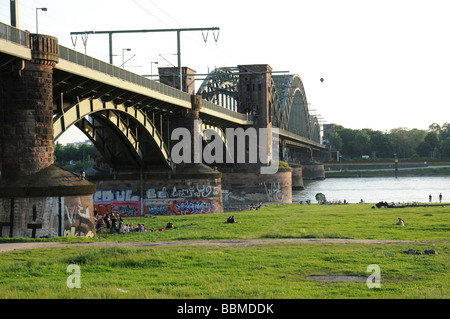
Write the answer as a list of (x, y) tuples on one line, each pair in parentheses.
[(270, 270)]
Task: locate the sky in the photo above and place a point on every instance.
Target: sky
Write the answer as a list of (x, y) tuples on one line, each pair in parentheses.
[(385, 63)]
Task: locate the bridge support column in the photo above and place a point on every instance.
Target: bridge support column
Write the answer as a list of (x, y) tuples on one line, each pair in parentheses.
[(297, 176), (244, 183), (194, 172), (35, 196)]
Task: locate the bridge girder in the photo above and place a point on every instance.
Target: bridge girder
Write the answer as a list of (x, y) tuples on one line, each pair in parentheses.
[(127, 123)]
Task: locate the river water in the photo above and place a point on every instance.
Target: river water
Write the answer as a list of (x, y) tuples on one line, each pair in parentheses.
[(374, 190)]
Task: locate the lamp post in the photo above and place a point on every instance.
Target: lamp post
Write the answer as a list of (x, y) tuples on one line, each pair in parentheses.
[(123, 56), (14, 8), (151, 69), (37, 24)]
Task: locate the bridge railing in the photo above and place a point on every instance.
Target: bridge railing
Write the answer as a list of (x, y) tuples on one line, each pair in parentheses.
[(13, 34), (106, 68), (223, 110)]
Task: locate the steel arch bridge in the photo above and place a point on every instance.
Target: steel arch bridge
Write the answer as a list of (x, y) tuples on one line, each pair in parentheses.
[(288, 103), (121, 126)]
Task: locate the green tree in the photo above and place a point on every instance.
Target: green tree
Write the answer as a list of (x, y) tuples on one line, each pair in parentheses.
[(335, 141), (424, 149), (82, 157), (362, 140), (445, 131), (445, 147), (432, 138), (434, 128), (406, 141), (348, 141), (381, 144)]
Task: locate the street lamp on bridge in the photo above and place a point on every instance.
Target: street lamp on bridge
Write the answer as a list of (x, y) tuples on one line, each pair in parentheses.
[(123, 56), (151, 68), (37, 24)]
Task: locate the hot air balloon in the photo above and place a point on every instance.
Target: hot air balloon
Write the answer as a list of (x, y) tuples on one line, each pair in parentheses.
[(321, 80)]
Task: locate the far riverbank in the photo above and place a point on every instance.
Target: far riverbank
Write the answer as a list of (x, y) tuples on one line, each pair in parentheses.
[(387, 169)]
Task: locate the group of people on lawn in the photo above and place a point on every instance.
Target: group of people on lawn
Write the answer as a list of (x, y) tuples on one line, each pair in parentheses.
[(113, 223)]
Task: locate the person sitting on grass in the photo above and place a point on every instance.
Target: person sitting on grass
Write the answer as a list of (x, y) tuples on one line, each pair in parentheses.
[(400, 222), (169, 225), (231, 220)]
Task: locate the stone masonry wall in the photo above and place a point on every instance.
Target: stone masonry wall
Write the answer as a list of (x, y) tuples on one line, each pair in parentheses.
[(37, 217)]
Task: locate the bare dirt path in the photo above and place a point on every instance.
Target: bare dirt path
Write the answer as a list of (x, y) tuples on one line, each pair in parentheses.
[(225, 242)]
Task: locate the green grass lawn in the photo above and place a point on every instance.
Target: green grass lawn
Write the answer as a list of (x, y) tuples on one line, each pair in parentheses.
[(357, 221), (272, 271)]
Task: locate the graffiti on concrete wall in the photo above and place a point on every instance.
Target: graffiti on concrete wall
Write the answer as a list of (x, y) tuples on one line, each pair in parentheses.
[(194, 199), (190, 192), (181, 206), (122, 202), (273, 192), (195, 206), (77, 218)]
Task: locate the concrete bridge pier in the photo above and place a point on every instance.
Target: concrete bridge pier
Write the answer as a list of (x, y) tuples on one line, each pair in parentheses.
[(297, 176), (195, 175), (244, 183), (37, 199), (311, 169)]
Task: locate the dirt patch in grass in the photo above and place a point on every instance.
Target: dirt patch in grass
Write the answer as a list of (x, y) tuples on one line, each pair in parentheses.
[(226, 242)]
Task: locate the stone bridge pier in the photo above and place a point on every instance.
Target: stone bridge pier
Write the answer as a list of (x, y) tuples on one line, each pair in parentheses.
[(37, 199)]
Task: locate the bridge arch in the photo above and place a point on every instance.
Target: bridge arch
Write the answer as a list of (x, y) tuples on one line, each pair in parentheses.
[(287, 104), (290, 110), (315, 129), (131, 125), (221, 87)]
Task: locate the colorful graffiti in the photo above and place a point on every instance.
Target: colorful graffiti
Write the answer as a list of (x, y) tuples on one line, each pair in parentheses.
[(198, 199), (190, 207), (181, 206), (121, 202), (191, 192)]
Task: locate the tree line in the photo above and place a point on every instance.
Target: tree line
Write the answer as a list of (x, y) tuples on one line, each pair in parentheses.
[(74, 158), (403, 143)]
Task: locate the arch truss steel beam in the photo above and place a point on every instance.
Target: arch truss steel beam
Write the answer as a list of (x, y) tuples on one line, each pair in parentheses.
[(127, 122)]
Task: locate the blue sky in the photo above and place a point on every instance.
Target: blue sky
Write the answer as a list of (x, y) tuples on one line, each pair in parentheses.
[(385, 63)]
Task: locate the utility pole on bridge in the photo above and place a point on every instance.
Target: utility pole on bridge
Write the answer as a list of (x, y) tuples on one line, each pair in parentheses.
[(14, 7), (178, 31)]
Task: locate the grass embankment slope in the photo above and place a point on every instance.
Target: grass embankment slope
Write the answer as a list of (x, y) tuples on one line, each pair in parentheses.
[(269, 270)]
